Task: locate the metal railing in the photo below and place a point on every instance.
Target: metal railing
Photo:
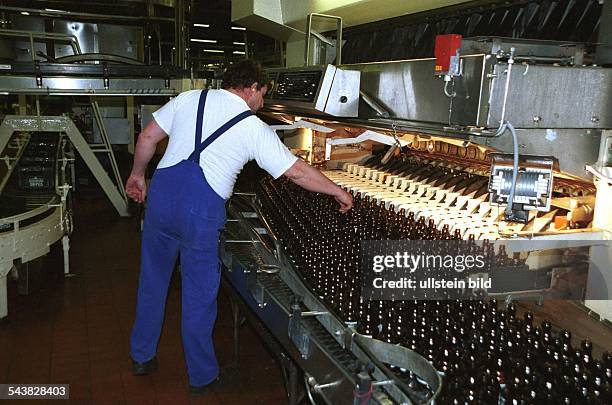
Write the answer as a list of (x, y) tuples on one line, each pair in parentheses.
[(310, 33), (37, 35)]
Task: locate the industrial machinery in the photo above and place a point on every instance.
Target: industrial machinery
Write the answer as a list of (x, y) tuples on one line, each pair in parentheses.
[(490, 147), (63, 105)]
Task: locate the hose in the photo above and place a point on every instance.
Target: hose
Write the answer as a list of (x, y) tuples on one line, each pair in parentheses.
[(450, 95)]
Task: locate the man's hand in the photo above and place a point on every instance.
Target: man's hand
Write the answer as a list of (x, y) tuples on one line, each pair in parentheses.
[(345, 199), (136, 188), (311, 179)]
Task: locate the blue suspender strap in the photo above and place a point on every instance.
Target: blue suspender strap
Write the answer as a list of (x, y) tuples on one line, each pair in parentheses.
[(199, 120), (195, 155)]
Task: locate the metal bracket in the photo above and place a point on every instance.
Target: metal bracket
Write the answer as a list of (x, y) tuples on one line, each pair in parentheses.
[(318, 388), (255, 288), (313, 313), (298, 333)]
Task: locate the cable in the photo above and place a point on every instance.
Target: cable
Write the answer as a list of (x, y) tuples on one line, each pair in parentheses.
[(450, 95)]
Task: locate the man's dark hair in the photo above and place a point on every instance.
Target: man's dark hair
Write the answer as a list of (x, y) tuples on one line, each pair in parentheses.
[(243, 74)]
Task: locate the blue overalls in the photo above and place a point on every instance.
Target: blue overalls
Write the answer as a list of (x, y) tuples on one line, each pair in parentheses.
[(184, 214)]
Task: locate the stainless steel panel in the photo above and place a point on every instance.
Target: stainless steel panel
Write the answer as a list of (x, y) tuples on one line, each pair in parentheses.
[(543, 96), (22, 48), (103, 38), (86, 33), (409, 90), (343, 97), (573, 147), (121, 40)]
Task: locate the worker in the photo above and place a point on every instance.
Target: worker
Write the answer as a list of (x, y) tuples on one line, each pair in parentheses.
[(212, 135)]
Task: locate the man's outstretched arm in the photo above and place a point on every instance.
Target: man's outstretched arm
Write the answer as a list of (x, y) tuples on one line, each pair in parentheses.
[(311, 179), (136, 187)]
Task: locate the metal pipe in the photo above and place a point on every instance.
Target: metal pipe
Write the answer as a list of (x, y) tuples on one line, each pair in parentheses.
[(307, 44), (509, 71), (32, 46), (380, 110), (339, 42)]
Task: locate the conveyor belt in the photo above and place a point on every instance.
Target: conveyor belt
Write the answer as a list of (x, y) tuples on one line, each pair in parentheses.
[(34, 210), (329, 351)]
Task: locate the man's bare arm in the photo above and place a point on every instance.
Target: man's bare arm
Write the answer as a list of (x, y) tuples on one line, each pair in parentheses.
[(136, 187), (311, 179)]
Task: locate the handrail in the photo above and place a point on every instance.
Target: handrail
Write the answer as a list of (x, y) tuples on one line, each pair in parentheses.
[(50, 204), (72, 39)]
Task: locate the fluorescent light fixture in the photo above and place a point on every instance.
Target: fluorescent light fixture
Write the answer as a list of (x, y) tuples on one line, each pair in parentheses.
[(201, 25), (213, 50), (24, 13), (238, 43), (210, 41), (238, 53), (53, 10), (238, 28)]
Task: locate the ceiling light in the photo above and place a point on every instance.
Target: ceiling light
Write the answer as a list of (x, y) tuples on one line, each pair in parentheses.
[(25, 13), (201, 25), (213, 50), (238, 53), (53, 10), (210, 41), (239, 43), (238, 28)]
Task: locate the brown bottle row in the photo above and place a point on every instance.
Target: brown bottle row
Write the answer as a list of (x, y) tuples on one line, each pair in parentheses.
[(485, 353)]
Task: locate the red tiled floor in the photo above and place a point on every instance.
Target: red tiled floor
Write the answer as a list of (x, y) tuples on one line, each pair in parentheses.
[(76, 330)]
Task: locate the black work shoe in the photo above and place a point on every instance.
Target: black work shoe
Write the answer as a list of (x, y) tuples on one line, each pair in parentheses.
[(202, 390), (145, 368), (227, 376)]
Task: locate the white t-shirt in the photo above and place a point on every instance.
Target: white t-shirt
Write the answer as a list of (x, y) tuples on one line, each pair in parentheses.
[(223, 159)]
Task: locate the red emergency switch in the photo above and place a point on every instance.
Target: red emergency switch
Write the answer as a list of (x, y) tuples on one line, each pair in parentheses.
[(446, 48)]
